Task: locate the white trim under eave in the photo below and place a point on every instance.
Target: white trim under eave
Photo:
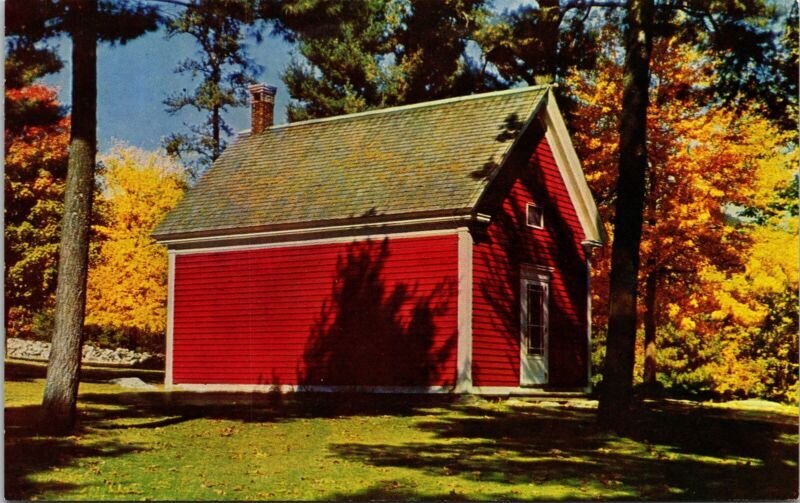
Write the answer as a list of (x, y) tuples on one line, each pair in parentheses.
[(571, 171), (299, 233), (321, 241), (464, 354)]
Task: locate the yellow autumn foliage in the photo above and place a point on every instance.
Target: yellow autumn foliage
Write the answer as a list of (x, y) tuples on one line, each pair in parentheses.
[(771, 267), (127, 289)]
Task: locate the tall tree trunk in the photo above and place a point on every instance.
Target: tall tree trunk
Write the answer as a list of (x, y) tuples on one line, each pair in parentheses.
[(549, 29), (63, 371), (617, 388), (651, 292), (215, 131), (650, 316)]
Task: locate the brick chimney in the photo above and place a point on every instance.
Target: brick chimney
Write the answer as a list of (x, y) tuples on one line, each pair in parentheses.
[(262, 104)]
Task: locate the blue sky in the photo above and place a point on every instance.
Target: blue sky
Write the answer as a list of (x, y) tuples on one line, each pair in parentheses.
[(134, 79)]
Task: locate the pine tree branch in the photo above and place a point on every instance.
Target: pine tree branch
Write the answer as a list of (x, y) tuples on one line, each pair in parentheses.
[(580, 4), (175, 2)]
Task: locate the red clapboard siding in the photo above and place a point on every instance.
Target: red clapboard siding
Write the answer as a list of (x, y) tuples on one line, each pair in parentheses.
[(509, 242), (378, 312)]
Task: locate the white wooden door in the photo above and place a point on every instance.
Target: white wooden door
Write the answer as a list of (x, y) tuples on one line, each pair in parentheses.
[(535, 300)]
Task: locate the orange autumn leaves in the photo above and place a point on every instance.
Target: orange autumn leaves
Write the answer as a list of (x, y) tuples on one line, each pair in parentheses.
[(713, 267), (36, 140), (704, 160), (128, 270)]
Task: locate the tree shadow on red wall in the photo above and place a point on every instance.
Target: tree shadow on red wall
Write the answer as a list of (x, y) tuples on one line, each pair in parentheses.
[(379, 332)]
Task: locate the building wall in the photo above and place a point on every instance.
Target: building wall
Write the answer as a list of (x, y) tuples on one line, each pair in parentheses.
[(374, 312), (497, 255)]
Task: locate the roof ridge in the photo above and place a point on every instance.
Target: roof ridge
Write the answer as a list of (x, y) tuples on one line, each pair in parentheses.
[(400, 108)]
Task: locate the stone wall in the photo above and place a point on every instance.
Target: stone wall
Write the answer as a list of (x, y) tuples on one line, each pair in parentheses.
[(38, 350)]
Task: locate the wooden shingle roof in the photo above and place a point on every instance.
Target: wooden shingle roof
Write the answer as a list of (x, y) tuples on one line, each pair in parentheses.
[(410, 161)]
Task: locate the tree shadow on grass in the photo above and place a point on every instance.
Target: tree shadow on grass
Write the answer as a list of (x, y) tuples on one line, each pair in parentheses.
[(178, 406), (670, 453), (671, 450), (28, 453), (394, 491)]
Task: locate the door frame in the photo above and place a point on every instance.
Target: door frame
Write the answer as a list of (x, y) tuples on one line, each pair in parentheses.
[(542, 276)]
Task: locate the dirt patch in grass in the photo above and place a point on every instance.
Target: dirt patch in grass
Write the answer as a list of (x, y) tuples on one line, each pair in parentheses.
[(156, 445)]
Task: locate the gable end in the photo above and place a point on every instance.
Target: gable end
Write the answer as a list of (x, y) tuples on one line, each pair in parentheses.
[(571, 171)]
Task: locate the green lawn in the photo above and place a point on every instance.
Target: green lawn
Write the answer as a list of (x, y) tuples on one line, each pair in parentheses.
[(152, 445)]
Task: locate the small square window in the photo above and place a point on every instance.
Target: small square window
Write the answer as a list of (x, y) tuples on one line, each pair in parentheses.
[(535, 216)]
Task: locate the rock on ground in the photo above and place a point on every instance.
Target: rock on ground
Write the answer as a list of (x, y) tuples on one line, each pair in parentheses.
[(132, 382)]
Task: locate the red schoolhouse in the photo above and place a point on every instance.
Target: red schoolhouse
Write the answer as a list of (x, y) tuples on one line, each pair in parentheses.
[(436, 247)]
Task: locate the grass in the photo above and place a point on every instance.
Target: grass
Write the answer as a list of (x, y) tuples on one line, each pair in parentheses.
[(179, 446)]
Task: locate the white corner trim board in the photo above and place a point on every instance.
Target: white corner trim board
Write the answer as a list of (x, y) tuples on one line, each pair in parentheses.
[(170, 319), (588, 320), (464, 355)]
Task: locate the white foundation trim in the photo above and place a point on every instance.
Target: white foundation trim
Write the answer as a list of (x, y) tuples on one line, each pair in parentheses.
[(376, 226), (464, 362), (512, 390), (170, 319), (311, 242), (571, 171), (299, 388)]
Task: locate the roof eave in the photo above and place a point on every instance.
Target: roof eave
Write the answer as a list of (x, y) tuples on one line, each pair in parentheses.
[(442, 218)]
